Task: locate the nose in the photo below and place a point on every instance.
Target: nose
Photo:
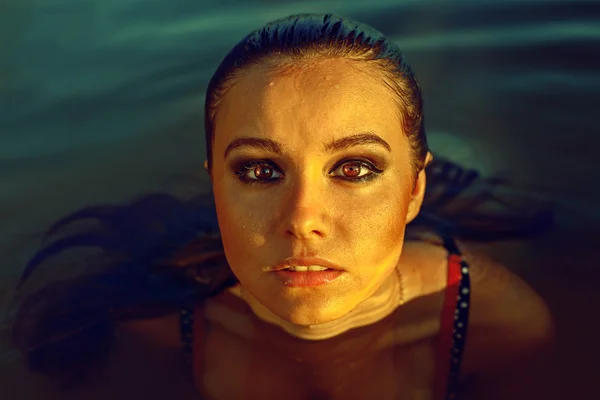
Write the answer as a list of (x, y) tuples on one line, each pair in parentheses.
[(306, 215)]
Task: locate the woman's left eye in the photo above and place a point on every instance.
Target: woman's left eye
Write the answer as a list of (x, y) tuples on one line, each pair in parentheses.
[(350, 170)]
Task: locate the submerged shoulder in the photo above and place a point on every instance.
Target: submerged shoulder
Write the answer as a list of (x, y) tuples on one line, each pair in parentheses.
[(506, 315), (500, 299), (503, 300), (144, 361), (148, 354), (163, 331), (508, 319), (511, 339)]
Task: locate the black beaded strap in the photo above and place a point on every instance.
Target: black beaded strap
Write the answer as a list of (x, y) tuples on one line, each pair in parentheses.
[(461, 321), (187, 329)]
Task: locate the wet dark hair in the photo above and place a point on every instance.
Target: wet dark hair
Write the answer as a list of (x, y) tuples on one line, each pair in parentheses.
[(162, 252)]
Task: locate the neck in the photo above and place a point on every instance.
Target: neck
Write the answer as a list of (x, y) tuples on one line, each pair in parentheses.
[(387, 298)]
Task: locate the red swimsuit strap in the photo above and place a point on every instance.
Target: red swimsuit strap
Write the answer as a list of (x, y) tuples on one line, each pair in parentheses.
[(445, 344)]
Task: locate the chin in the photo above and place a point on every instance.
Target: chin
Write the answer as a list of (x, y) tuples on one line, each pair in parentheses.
[(305, 314), (310, 320)]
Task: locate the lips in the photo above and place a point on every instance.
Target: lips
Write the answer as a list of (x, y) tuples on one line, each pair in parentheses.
[(306, 262), (307, 279)]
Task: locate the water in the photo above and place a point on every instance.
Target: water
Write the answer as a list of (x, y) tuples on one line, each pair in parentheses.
[(102, 100)]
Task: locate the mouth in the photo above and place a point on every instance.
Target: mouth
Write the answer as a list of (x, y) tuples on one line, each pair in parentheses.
[(307, 272), (309, 268), (307, 264)]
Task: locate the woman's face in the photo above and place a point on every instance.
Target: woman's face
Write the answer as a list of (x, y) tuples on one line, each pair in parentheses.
[(302, 200)]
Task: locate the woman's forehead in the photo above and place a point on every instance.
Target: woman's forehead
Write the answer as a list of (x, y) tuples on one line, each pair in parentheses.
[(323, 100)]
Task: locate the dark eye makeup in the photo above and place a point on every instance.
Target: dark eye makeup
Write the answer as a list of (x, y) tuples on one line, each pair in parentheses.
[(244, 167)]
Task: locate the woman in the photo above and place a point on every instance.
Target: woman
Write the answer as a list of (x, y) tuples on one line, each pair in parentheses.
[(311, 289)]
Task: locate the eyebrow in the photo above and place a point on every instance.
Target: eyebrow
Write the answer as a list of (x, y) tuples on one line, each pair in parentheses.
[(359, 139)]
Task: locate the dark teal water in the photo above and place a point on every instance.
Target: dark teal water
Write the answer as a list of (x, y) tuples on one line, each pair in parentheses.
[(102, 100)]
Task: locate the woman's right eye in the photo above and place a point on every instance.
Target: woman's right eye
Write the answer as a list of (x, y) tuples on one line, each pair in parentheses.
[(258, 172)]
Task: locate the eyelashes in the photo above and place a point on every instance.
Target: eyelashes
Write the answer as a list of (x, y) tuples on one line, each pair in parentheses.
[(251, 166)]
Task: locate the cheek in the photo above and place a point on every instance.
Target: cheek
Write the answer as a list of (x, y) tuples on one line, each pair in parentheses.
[(372, 228), (241, 225), (378, 215)]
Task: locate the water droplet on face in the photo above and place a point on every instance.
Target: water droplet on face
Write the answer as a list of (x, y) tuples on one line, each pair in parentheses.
[(272, 83)]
